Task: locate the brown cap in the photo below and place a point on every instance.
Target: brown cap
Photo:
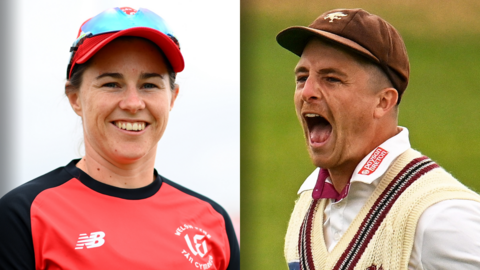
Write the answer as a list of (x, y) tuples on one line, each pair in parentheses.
[(360, 31)]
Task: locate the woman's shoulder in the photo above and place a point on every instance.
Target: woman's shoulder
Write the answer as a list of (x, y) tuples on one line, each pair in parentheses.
[(192, 195)]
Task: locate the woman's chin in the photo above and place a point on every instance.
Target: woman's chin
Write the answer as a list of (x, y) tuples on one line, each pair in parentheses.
[(128, 156)]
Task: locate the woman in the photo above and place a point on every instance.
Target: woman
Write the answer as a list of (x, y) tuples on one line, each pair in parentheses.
[(111, 209)]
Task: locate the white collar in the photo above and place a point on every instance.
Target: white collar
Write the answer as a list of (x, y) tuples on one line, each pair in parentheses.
[(373, 165)]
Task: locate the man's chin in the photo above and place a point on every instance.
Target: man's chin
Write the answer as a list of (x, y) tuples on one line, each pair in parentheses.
[(320, 160)]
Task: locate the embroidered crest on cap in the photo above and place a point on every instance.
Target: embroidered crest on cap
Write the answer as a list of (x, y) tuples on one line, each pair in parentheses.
[(335, 15), (374, 161)]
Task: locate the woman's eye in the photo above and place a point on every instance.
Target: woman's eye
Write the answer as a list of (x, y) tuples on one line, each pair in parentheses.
[(149, 86)]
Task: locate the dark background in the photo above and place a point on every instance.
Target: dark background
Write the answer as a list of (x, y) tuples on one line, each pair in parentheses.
[(440, 106)]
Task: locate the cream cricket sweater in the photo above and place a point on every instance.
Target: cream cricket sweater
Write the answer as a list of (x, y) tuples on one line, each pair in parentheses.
[(381, 236)]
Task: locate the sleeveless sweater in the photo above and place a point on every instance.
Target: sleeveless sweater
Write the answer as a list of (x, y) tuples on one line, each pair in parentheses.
[(373, 241)]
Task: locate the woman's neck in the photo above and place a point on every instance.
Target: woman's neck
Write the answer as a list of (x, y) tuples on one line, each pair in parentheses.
[(132, 175)]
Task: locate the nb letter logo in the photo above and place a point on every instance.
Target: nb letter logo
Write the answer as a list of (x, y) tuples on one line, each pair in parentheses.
[(96, 239), (203, 245)]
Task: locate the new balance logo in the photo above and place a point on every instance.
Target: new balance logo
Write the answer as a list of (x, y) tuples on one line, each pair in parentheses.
[(94, 240)]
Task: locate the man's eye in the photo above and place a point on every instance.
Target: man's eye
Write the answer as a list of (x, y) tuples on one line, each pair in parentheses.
[(110, 85), (332, 79), (302, 79)]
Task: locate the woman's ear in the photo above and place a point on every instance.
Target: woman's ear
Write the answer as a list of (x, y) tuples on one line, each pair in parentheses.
[(174, 95), (74, 98)]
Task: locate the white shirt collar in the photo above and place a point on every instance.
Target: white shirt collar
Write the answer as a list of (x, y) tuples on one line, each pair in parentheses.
[(373, 165)]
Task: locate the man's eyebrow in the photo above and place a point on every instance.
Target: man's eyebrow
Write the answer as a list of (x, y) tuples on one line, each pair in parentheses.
[(331, 71), (111, 74), (144, 76), (300, 69), (323, 71)]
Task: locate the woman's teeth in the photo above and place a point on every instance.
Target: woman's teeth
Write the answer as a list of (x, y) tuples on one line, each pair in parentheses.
[(136, 126)]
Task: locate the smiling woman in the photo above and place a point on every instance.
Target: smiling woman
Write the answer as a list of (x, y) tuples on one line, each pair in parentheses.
[(111, 209), (124, 100)]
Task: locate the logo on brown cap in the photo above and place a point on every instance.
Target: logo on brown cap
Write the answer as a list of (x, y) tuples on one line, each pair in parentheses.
[(335, 15)]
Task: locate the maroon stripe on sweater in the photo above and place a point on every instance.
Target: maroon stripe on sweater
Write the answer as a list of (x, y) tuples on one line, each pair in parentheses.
[(305, 239), (414, 170)]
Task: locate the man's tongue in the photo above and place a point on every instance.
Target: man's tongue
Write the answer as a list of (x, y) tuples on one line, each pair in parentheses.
[(320, 133)]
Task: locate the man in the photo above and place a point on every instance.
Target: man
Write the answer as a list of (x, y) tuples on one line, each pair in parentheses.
[(373, 203)]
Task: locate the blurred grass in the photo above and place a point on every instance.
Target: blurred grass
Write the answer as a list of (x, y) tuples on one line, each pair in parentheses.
[(440, 107)]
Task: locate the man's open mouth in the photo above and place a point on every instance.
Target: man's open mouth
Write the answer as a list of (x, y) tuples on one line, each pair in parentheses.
[(319, 129)]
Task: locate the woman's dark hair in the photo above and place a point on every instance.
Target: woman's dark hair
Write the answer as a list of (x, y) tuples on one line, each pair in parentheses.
[(79, 69)]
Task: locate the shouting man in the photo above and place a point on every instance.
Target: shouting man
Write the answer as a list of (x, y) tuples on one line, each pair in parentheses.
[(373, 202)]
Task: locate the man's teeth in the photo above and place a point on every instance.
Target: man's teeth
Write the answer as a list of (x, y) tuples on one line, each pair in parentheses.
[(136, 126), (312, 115)]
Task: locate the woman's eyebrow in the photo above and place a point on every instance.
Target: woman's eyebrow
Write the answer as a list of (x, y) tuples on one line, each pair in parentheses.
[(113, 75), (120, 76), (150, 75)]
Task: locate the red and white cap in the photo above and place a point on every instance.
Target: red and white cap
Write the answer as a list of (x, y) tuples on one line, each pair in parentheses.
[(98, 31)]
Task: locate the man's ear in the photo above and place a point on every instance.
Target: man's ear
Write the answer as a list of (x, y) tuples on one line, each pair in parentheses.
[(386, 101), (74, 98)]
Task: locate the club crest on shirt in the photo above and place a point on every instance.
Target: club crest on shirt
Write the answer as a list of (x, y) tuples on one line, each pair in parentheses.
[(196, 242), (373, 161)]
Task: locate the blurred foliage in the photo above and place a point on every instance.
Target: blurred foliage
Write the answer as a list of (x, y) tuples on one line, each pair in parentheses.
[(440, 107)]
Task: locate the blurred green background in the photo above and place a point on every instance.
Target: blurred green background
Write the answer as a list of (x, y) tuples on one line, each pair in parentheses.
[(440, 107)]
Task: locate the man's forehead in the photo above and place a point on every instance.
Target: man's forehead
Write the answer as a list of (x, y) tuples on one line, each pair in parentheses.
[(317, 52)]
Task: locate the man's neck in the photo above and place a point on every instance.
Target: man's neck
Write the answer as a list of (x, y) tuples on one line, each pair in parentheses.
[(340, 177)]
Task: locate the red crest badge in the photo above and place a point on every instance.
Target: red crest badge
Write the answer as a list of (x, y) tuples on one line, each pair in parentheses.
[(129, 10)]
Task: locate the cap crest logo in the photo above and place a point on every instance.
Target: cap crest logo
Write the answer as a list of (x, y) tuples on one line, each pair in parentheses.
[(335, 15), (129, 10)]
